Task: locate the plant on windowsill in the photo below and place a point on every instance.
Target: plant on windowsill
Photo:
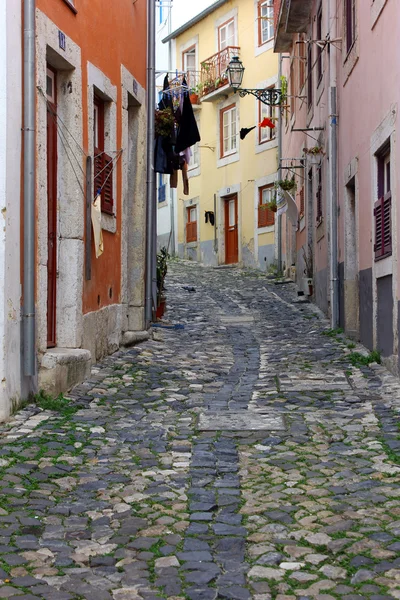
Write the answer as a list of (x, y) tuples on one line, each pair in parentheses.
[(272, 206), (308, 270), (195, 93), (162, 268)]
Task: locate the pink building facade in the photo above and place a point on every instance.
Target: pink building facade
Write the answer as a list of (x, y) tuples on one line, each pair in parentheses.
[(339, 123)]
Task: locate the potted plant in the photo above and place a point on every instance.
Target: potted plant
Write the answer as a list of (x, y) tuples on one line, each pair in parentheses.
[(164, 122), (272, 206), (162, 267), (308, 271), (314, 154), (195, 93), (287, 184)]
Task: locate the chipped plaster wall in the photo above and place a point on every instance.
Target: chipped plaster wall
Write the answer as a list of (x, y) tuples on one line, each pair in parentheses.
[(70, 183), (10, 188)]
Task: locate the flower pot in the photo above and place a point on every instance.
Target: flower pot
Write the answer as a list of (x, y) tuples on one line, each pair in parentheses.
[(161, 308), (313, 159), (308, 286), (273, 208), (194, 98)]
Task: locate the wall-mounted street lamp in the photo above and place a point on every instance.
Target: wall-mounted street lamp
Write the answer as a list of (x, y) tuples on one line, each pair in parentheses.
[(235, 70)]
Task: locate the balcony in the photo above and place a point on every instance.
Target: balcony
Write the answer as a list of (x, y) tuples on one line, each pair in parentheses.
[(213, 79), (293, 16)]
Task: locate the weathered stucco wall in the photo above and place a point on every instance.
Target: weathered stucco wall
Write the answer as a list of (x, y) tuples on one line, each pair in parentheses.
[(10, 207)]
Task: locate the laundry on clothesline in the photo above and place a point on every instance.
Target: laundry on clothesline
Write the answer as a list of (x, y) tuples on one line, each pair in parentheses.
[(176, 131)]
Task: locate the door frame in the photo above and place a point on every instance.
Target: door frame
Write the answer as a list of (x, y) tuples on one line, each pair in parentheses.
[(221, 198), (227, 200), (52, 330)]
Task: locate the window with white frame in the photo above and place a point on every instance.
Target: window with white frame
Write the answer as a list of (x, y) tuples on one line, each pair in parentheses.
[(266, 217), (265, 21), (195, 157), (189, 61), (266, 134), (226, 35), (228, 130)]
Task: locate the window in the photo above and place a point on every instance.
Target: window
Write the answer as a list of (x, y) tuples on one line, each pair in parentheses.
[(195, 158), (383, 210), (228, 130), (350, 21), (51, 86), (161, 13), (309, 77), (191, 224), (293, 90), (319, 49), (103, 164), (189, 64), (266, 217), (302, 62), (226, 35), (265, 134), (319, 197), (161, 188), (265, 21)]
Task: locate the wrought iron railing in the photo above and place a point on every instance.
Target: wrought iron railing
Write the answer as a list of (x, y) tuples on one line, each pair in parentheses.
[(213, 70)]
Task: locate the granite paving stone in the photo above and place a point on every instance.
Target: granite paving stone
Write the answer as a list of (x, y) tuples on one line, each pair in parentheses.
[(243, 456)]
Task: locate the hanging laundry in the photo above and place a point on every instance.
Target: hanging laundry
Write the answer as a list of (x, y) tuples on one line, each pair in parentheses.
[(209, 217), (188, 132), (245, 130), (267, 123), (96, 224)]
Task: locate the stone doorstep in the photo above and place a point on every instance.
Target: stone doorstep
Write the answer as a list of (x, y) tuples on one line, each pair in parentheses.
[(130, 338), (63, 368)]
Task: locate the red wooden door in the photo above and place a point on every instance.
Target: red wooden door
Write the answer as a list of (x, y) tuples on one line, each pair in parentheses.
[(51, 207), (231, 230)]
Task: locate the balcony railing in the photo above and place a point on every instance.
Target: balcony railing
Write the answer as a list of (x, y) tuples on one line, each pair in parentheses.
[(213, 70)]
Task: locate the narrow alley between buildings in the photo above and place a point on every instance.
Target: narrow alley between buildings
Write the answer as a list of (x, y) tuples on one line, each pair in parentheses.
[(250, 454)]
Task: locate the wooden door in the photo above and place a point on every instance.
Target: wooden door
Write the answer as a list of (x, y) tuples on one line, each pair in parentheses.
[(51, 88), (231, 230)]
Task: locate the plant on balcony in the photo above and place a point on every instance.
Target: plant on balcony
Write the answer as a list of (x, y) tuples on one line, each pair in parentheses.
[(287, 184), (314, 150), (164, 122)]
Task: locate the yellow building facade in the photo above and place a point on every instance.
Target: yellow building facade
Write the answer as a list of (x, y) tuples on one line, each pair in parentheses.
[(225, 219)]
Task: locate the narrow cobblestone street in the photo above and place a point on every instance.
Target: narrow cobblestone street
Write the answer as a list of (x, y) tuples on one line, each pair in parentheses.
[(242, 456)]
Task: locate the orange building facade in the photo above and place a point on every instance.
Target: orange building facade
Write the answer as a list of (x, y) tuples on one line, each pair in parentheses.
[(90, 153)]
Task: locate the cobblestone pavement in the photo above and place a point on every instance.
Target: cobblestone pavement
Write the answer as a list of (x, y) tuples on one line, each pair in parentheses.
[(244, 456)]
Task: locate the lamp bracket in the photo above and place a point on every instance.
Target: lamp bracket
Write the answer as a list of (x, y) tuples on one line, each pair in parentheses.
[(269, 96)]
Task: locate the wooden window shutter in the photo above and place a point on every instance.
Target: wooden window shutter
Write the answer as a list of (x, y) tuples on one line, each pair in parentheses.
[(191, 232), (387, 224), (262, 215), (98, 168), (107, 202), (378, 212), (319, 203)]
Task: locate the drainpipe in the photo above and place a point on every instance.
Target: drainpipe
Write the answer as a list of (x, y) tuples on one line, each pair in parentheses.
[(333, 117), (29, 341), (151, 275), (280, 170)]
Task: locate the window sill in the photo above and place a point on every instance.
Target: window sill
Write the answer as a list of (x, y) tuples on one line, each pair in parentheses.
[(268, 145), (109, 223), (71, 6), (227, 160), (383, 266), (267, 229), (350, 61), (376, 9), (302, 223), (191, 244)]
